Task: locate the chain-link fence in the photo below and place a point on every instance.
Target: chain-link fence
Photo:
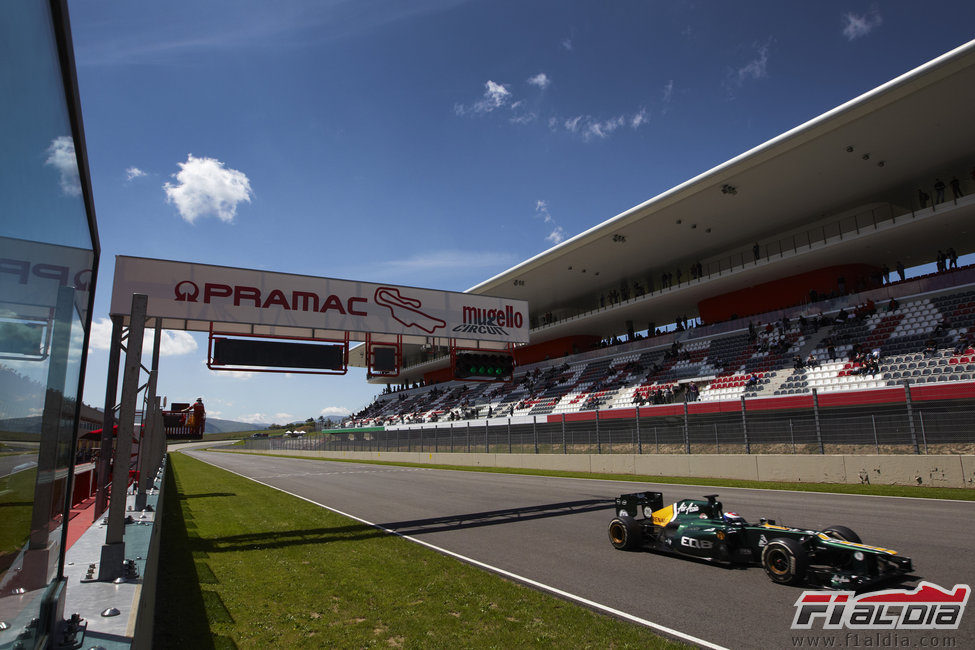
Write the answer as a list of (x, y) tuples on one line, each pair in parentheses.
[(906, 426)]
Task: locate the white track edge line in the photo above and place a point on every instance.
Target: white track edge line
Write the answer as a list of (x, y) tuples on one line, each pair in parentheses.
[(494, 569)]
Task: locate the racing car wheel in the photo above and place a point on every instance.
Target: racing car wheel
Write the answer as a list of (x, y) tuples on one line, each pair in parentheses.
[(843, 533), (785, 561), (625, 533)]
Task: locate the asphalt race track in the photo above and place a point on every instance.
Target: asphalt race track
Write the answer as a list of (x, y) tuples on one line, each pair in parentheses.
[(553, 531)]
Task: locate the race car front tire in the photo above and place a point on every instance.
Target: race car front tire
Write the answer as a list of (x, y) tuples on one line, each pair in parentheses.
[(785, 561), (625, 533), (843, 533)]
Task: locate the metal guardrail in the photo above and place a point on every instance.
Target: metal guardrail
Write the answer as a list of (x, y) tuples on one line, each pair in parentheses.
[(934, 426)]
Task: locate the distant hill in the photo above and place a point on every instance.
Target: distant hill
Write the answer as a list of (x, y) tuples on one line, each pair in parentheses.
[(216, 425)]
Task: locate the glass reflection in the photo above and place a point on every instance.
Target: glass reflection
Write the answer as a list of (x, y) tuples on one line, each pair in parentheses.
[(46, 257)]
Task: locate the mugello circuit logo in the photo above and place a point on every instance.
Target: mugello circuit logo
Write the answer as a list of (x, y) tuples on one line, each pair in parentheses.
[(927, 607), (404, 309)]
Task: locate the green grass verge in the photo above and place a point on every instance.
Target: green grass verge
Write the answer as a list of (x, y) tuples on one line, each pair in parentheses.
[(16, 508), (244, 565), (962, 494)]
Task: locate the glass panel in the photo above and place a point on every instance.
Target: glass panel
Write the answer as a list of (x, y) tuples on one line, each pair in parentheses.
[(46, 257), (40, 190)]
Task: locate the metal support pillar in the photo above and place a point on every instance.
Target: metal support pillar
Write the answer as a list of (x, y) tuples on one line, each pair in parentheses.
[(565, 448), (113, 550), (819, 430), (687, 432), (535, 432), (639, 439), (150, 432), (744, 426), (108, 419), (910, 417), (599, 443)]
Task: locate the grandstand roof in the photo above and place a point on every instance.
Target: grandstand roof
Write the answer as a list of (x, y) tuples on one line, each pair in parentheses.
[(871, 153), (860, 162)]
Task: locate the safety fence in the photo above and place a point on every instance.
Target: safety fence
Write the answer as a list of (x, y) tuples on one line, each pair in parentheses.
[(932, 420)]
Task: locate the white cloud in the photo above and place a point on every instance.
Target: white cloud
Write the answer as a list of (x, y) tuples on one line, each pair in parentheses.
[(232, 374), (133, 172), (205, 187), (668, 92), (495, 96), (856, 25), (540, 80), (557, 235), (340, 411), (61, 156), (265, 418), (755, 69), (639, 119), (590, 128), (172, 342), (447, 260), (524, 118), (566, 44)]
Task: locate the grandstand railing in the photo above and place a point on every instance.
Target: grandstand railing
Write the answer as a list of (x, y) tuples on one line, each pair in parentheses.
[(931, 419)]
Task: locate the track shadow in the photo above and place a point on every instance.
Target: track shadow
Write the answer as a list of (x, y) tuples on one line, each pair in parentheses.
[(496, 517), (204, 495), (281, 539), (180, 614)]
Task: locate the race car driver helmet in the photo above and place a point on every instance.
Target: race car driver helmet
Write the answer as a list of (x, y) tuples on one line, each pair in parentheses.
[(733, 518)]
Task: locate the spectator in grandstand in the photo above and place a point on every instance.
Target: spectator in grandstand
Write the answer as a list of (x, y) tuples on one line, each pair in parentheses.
[(752, 380), (885, 272), (831, 351), (797, 363), (811, 361), (939, 190), (952, 258), (963, 343), (900, 270), (930, 347), (923, 198), (956, 188), (893, 305), (941, 261)]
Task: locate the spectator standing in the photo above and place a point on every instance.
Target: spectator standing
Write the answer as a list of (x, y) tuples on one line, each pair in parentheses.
[(952, 258), (756, 251), (939, 190), (886, 273), (900, 270), (956, 188), (922, 198)]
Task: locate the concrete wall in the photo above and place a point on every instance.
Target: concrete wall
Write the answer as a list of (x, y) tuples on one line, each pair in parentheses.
[(936, 471)]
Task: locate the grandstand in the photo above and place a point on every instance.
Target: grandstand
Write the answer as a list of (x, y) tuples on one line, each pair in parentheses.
[(721, 288)]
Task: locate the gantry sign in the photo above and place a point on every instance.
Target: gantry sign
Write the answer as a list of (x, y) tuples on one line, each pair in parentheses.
[(234, 304)]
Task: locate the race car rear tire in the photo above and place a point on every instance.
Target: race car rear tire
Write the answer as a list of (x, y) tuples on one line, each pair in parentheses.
[(625, 533), (843, 533), (785, 561)]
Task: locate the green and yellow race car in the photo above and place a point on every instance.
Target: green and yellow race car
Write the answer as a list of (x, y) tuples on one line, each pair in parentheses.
[(833, 557)]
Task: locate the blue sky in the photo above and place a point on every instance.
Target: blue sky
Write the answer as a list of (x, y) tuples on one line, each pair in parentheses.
[(432, 143)]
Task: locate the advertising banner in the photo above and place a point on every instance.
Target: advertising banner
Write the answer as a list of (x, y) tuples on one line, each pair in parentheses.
[(218, 294)]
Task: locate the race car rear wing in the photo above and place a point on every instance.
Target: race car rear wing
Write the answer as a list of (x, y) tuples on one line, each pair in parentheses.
[(634, 504)]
